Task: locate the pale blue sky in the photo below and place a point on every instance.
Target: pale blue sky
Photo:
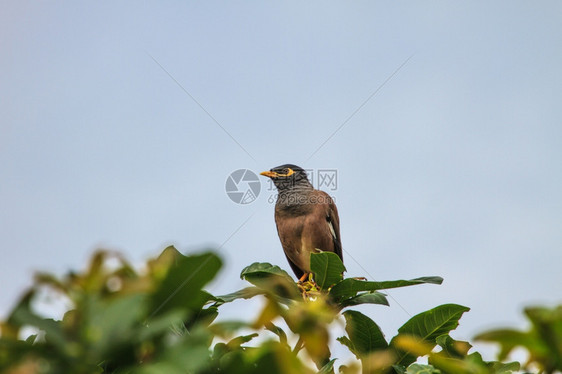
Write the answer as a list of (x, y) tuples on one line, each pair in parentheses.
[(453, 168)]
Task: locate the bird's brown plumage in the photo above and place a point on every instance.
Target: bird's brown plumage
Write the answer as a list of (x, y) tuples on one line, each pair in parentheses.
[(307, 219)]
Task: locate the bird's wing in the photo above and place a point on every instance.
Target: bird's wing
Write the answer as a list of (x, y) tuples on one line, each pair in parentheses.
[(333, 221)]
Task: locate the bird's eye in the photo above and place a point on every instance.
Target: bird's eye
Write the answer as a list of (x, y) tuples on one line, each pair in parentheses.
[(288, 172)]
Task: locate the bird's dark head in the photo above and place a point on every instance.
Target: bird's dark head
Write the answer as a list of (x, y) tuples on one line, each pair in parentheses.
[(287, 177)]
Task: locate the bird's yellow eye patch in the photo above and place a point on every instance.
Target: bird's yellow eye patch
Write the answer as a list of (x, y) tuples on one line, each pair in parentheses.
[(289, 173)]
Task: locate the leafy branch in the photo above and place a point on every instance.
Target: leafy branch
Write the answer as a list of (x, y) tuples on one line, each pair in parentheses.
[(161, 320)]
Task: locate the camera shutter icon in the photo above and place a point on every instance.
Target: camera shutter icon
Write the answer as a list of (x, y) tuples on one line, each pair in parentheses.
[(243, 186)]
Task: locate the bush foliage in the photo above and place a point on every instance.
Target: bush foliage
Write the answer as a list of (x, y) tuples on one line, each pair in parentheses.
[(161, 320)]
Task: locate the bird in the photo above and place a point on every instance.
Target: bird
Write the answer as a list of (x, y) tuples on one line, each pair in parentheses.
[(306, 218)]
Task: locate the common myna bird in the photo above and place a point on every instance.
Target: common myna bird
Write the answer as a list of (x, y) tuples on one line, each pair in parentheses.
[(307, 219)]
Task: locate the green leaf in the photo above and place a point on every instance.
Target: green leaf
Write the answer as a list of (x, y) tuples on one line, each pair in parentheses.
[(160, 266), (245, 293), (327, 267), (428, 325), (508, 339), (182, 285), (203, 317), (273, 358), (31, 339), (363, 332), (543, 340), (239, 340), (422, 369), (112, 324), (259, 270), (349, 287), (453, 348), (160, 325), (277, 331), (189, 355), (272, 279), (344, 340), (547, 326), (328, 368), (505, 367), (366, 298)]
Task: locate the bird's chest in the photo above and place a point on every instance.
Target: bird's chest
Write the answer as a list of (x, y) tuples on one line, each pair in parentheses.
[(286, 210), (289, 225), (298, 234)]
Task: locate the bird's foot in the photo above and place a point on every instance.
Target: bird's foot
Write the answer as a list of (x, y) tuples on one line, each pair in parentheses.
[(304, 276), (309, 289)]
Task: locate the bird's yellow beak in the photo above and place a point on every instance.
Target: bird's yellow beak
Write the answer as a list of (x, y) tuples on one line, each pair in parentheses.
[(269, 174), (272, 174)]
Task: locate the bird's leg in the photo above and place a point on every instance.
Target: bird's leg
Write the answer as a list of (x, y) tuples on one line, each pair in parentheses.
[(308, 286)]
